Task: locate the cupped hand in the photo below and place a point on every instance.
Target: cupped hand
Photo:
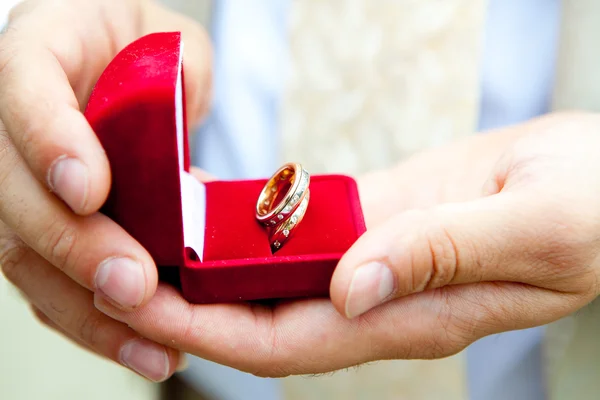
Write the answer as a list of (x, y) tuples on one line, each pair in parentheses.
[(54, 174), (499, 232)]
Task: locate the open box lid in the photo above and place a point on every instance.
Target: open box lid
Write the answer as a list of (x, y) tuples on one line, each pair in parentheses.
[(137, 110)]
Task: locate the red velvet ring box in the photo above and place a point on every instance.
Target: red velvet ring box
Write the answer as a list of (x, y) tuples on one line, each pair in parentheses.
[(206, 230)]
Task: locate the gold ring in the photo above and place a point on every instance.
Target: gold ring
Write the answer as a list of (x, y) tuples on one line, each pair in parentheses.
[(291, 179), (283, 232)]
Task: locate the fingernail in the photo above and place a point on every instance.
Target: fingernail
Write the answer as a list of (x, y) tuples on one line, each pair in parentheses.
[(146, 358), (68, 177), (122, 280), (184, 363), (371, 285)]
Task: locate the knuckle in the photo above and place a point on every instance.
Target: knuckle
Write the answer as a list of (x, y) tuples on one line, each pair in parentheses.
[(41, 317), (12, 253), (89, 329), (435, 261), (453, 330), (58, 243), (270, 356), (444, 258)]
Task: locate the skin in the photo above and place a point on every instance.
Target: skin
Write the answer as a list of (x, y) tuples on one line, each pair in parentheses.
[(505, 239), (493, 233), (51, 55)]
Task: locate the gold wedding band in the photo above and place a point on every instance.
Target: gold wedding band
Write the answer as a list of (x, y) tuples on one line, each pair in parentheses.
[(283, 201), (270, 210), (283, 232)]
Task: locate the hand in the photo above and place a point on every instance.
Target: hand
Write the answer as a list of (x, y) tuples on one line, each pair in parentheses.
[(519, 249), (523, 251), (54, 175)]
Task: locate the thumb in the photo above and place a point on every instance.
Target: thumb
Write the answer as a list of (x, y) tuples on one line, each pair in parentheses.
[(481, 240)]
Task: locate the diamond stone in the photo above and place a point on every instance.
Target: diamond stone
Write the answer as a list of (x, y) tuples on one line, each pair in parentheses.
[(280, 217), (276, 244), (286, 233)]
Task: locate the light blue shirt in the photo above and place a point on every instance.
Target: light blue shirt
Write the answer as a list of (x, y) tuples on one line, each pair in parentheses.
[(240, 137), (516, 85)]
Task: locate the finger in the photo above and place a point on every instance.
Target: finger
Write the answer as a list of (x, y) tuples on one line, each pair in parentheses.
[(41, 114), (444, 321), (310, 336), (94, 251), (205, 331), (488, 239), (70, 307), (197, 57), (47, 322)]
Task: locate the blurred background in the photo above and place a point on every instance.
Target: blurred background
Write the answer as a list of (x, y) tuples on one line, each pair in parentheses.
[(359, 85)]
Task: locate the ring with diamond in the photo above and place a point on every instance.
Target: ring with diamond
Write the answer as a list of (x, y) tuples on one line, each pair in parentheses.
[(283, 232), (290, 181)]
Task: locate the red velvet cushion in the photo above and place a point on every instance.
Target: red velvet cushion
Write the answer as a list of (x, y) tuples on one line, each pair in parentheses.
[(238, 263), (329, 225), (132, 110)]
